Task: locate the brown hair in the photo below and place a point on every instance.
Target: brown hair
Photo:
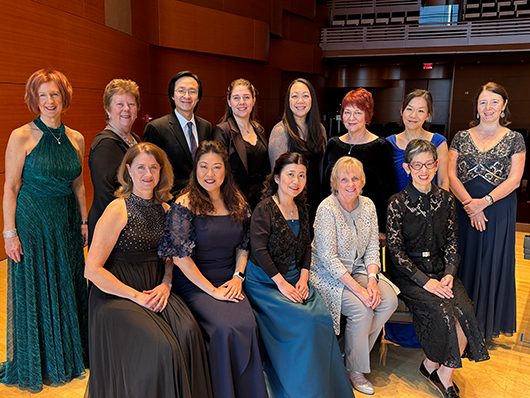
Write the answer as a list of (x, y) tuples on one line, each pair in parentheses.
[(120, 86), (271, 186), (245, 83), (199, 199), (361, 99), (497, 89), (41, 76), (161, 191)]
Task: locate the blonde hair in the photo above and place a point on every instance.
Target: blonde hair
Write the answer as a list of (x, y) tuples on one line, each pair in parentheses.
[(346, 164)]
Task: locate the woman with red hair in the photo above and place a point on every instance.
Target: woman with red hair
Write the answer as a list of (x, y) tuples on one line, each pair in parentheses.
[(45, 229), (375, 153)]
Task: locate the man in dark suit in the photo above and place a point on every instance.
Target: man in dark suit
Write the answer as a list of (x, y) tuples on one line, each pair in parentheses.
[(180, 132)]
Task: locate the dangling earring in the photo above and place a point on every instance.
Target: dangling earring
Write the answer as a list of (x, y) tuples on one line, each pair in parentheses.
[(478, 115), (429, 119), (503, 114)]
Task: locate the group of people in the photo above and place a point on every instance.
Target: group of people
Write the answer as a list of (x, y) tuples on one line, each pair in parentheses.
[(225, 265)]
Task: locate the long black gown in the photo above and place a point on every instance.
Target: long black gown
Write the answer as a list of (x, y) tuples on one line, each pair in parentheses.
[(230, 328), (419, 223), (135, 352)]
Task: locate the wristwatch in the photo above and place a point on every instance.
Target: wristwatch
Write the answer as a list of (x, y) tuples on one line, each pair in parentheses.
[(240, 275), (489, 199), (374, 275)]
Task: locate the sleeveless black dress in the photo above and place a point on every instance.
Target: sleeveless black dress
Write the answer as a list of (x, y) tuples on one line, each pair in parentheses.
[(135, 352)]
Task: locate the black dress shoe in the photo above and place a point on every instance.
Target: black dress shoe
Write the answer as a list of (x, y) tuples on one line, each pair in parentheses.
[(425, 373), (449, 392)]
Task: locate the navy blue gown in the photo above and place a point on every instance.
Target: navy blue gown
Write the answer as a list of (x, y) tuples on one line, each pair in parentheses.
[(229, 328), (487, 267)]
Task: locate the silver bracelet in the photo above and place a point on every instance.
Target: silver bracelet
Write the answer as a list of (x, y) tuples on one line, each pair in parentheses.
[(10, 234)]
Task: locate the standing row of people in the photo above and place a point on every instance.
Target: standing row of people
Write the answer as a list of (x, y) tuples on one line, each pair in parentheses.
[(223, 179)]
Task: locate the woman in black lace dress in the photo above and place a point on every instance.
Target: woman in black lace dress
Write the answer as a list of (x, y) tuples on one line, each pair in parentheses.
[(143, 340), (421, 237)]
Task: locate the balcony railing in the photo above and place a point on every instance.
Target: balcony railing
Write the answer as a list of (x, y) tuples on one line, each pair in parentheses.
[(468, 33)]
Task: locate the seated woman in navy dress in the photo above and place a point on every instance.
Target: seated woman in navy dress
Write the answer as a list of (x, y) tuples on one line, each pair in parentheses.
[(303, 357), (206, 234)]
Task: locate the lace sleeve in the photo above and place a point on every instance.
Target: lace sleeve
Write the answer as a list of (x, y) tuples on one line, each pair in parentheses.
[(178, 238), (456, 142), (518, 143), (451, 256), (245, 242), (396, 242)]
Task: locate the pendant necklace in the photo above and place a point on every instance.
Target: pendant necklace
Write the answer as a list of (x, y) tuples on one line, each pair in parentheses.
[(291, 212), (123, 137), (356, 143), (58, 139)]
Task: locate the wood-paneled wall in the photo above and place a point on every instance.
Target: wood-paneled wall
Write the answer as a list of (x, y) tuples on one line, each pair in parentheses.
[(220, 40)]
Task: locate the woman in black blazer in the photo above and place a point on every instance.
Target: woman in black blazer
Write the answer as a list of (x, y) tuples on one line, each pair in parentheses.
[(243, 138)]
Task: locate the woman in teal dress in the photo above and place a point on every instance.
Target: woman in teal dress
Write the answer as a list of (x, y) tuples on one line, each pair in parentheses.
[(45, 230), (302, 354)]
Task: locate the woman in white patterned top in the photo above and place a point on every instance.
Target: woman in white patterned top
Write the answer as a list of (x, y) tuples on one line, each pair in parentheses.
[(345, 268)]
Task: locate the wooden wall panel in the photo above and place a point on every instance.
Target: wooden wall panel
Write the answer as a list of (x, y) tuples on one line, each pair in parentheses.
[(305, 8), (96, 56), (260, 10), (145, 20), (299, 29), (214, 32), (15, 114), (293, 56), (24, 46), (93, 10)]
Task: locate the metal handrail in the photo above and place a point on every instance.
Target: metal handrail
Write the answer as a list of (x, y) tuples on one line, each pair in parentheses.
[(465, 33)]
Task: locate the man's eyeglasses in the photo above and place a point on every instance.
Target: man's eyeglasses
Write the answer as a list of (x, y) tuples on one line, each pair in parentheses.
[(191, 92)]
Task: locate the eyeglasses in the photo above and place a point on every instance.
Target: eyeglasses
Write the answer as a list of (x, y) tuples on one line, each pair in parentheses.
[(431, 164), (191, 91)]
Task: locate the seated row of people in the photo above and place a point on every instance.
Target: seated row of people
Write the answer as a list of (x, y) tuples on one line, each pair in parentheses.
[(248, 278)]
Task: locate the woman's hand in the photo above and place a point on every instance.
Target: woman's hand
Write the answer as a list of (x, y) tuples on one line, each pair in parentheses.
[(291, 292), (439, 289), (233, 289), (303, 288), (474, 206), (14, 248), (382, 239), (219, 294), (479, 221), (158, 297), (373, 292), (447, 280), (84, 233)]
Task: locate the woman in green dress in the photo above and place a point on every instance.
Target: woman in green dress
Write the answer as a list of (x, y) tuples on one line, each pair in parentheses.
[(45, 230)]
